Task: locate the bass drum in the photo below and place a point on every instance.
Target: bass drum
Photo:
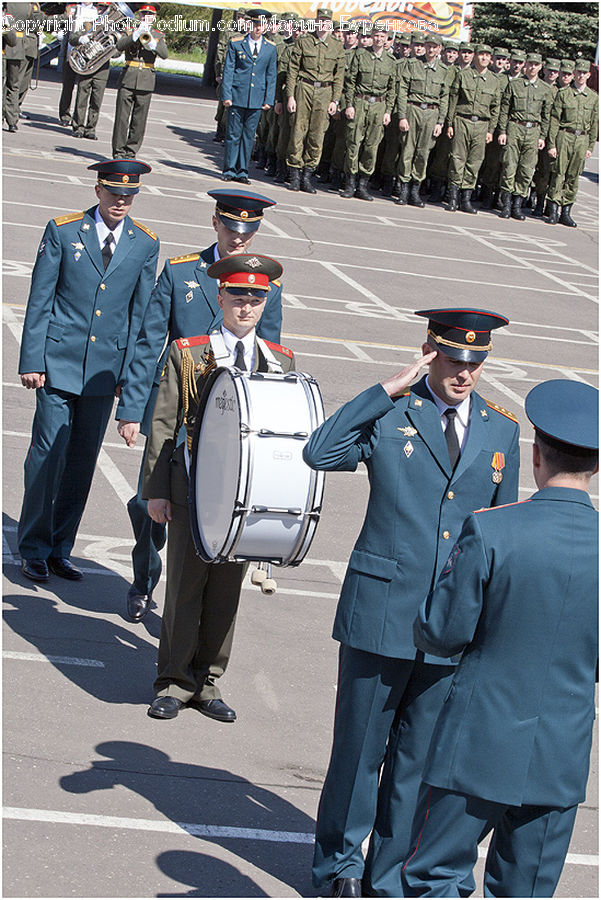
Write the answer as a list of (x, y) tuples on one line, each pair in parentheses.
[(252, 496)]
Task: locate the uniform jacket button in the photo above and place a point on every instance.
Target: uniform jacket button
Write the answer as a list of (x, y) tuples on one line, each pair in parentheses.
[(92, 338), (450, 495), (446, 535)]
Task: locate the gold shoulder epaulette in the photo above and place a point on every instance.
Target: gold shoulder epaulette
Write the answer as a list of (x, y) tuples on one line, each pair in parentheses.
[(269, 41), (502, 506), (499, 409), (145, 229), (191, 257), (279, 348), (277, 282), (238, 37), (69, 217)]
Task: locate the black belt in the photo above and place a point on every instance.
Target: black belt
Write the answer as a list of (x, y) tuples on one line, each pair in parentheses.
[(424, 105), (371, 98), (575, 131), (525, 124), (474, 118), (316, 84)]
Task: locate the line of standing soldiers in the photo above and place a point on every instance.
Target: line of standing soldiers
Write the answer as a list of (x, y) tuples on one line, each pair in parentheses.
[(19, 56), (415, 115)]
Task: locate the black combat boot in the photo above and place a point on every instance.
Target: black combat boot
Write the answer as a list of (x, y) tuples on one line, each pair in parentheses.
[(453, 201), (553, 213), (270, 166), (255, 151), (505, 197), (281, 172), (336, 181), (403, 193), (516, 208), (414, 195), (295, 179), (349, 187), (500, 200), (261, 157), (386, 185), (539, 208), (306, 183), (396, 187), (362, 192), (565, 218), (465, 203), (437, 190)]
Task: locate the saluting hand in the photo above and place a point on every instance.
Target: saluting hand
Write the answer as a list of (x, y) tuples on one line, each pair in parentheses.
[(398, 384), (33, 379), (160, 510), (129, 431)]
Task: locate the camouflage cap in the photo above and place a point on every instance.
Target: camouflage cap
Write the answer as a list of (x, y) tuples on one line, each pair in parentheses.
[(403, 38), (553, 64), (517, 54), (483, 48), (433, 38), (567, 65), (336, 25), (501, 52), (450, 45), (323, 13), (534, 58), (418, 37), (582, 65), (466, 46), (379, 26)]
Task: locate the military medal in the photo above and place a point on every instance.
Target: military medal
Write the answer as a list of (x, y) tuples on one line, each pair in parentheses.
[(191, 284), (408, 448), (77, 245), (498, 463), (408, 431)]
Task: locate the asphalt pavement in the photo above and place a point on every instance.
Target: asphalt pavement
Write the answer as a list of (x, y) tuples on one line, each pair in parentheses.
[(100, 800)]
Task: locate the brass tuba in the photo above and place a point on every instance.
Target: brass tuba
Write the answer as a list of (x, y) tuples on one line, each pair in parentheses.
[(85, 59)]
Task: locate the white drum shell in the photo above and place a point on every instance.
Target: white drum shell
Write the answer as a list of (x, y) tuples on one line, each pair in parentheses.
[(254, 496)]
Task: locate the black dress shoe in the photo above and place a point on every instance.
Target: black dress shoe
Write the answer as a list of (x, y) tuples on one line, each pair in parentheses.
[(78, 134), (66, 121), (227, 178), (36, 569), (90, 136), (137, 604), (242, 179), (12, 129), (64, 568), (164, 707), (214, 709), (346, 887)]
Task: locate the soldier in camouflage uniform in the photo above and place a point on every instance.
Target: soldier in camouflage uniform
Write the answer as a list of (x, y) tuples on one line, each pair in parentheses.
[(314, 88), (466, 55), (137, 84), (422, 102), (392, 135), (523, 126), (474, 102), (491, 168), (281, 99), (566, 73), (438, 165), (543, 165), (369, 96), (338, 155), (572, 135)]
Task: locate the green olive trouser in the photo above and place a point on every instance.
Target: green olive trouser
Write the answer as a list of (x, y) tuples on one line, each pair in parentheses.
[(542, 173), (413, 156), (131, 115), (519, 159), (491, 167), (438, 165), (392, 144), (363, 136), (283, 132), (467, 152), (308, 125), (567, 168)]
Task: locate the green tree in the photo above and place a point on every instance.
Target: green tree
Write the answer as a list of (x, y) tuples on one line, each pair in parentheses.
[(563, 30), (186, 40)]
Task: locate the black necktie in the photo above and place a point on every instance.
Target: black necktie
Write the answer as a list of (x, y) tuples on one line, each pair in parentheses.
[(255, 51), (106, 250), (239, 361), (451, 436)]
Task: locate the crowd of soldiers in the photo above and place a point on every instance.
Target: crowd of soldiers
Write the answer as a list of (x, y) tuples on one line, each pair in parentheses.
[(418, 117)]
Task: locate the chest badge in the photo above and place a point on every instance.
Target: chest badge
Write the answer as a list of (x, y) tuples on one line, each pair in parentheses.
[(189, 296), (77, 255), (85, 227), (498, 464), (408, 431), (408, 449), (203, 265), (191, 284), (77, 245)]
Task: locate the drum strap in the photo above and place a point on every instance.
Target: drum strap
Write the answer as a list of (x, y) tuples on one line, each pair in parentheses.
[(272, 363), (219, 349)]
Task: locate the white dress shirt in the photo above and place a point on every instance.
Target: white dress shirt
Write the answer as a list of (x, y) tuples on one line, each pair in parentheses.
[(462, 419), (256, 44), (231, 340), (102, 230)]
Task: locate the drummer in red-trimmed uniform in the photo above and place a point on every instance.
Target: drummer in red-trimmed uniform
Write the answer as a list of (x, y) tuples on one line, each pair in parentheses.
[(201, 599)]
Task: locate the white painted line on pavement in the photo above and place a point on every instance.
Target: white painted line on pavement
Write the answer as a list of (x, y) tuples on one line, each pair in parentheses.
[(115, 477), (61, 660), (494, 382), (194, 829), (377, 301)]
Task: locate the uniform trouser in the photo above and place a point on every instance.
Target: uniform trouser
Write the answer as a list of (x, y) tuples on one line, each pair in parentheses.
[(65, 442), (375, 693), (393, 139), (329, 139), (438, 164), (308, 125), (263, 127), (131, 114), (467, 152), (525, 856), (567, 168), (364, 134), (491, 167), (519, 159), (26, 74), (414, 152), (542, 173), (273, 127), (69, 82), (201, 601), (150, 539), (10, 109), (338, 157), (90, 91), (283, 132), (239, 137)]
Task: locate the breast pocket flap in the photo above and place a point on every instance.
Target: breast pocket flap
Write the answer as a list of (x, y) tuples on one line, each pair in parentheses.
[(370, 564)]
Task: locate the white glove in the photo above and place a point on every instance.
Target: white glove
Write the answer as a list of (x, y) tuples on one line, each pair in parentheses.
[(137, 33), (152, 44), (84, 39)]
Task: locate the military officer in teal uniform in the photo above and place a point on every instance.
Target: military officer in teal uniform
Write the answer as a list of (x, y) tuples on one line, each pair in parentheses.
[(184, 302), (91, 282), (518, 598), (247, 87), (433, 453)]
